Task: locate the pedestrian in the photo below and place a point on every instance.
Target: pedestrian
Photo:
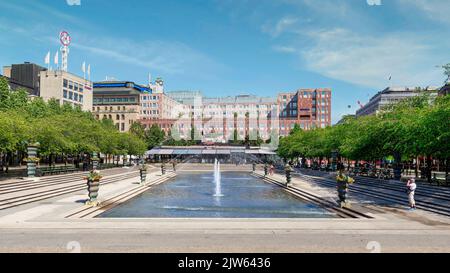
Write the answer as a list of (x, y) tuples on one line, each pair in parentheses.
[(272, 169), (343, 182), (174, 165), (411, 187)]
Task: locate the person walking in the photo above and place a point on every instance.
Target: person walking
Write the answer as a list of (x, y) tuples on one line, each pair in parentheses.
[(411, 187), (343, 182), (174, 166), (272, 170)]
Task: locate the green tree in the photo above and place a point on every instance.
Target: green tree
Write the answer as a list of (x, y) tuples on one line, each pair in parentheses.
[(155, 136)]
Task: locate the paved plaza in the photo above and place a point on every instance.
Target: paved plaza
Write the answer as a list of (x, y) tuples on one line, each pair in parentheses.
[(60, 224)]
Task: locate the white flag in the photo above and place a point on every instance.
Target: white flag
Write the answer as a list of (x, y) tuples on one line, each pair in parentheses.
[(47, 58), (83, 67), (57, 58), (89, 71)]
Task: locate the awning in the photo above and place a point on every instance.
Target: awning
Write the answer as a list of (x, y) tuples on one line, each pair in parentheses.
[(253, 152), (180, 152), (265, 152), (153, 152), (209, 152), (223, 152), (166, 152), (195, 152)]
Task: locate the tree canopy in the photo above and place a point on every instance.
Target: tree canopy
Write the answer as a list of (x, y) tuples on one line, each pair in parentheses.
[(59, 129), (417, 126)]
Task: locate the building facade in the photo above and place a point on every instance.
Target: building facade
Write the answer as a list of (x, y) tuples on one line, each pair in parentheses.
[(66, 88), (215, 120), (162, 110), (119, 101), (251, 116), (392, 95), (26, 75), (309, 108)]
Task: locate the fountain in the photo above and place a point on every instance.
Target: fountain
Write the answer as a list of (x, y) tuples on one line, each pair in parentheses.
[(217, 178)]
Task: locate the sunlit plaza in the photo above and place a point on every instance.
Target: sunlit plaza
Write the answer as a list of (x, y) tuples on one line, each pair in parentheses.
[(182, 153)]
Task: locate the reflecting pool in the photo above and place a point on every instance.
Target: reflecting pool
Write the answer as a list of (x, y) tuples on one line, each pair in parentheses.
[(191, 195)]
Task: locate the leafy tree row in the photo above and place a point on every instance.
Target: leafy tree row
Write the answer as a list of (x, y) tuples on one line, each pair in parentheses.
[(419, 126), (60, 130)]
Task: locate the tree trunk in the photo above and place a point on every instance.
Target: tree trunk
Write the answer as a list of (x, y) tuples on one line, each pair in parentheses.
[(6, 163), (447, 169), (429, 169), (397, 166)]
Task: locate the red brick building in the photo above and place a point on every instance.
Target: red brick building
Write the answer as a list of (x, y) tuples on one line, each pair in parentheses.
[(309, 108)]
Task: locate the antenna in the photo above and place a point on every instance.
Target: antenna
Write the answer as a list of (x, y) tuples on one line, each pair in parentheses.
[(65, 40)]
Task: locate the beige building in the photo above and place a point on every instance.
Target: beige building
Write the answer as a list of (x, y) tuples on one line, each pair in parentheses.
[(119, 102), (66, 88)]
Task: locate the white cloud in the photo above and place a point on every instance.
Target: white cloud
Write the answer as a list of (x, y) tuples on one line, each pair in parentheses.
[(366, 60), (437, 10), (285, 49), (280, 26), (165, 56)]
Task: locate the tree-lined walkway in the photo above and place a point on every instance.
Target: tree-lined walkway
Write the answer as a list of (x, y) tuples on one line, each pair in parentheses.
[(384, 192), (15, 193)]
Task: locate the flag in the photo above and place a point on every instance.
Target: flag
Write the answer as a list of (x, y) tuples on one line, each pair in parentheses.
[(47, 58), (83, 67), (89, 71), (57, 58)]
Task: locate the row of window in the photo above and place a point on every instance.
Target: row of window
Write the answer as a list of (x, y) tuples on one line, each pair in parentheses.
[(149, 97), (115, 100), (149, 112), (150, 105), (73, 96), (110, 108), (72, 85)]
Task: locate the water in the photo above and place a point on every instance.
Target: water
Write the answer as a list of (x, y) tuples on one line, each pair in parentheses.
[(191, 195), (217, 179)]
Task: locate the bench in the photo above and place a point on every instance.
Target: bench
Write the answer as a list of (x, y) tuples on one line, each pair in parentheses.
[(55, 170), (440, 179)]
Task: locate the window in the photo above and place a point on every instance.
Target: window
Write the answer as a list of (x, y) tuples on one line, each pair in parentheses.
[(70, 85), (65, 83), (123, 126), (81, 88), (75, 96), (123, 117), (70, 95), (75, 87), (117, 117), (65, 94), (81, 98)]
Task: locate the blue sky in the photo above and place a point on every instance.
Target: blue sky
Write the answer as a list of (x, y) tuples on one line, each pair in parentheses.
[(230, 47)]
